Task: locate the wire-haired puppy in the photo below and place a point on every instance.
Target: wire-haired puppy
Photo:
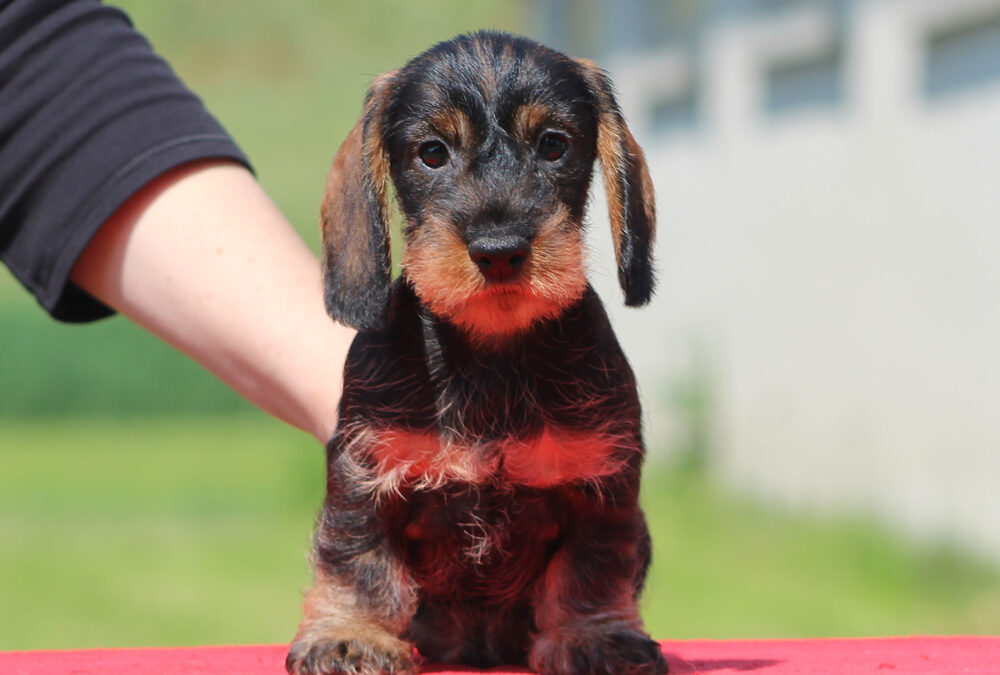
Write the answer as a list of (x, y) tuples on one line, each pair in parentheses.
[(483, 482)]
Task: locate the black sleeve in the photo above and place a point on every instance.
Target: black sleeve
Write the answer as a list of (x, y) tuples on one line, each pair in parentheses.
[(88, 116)]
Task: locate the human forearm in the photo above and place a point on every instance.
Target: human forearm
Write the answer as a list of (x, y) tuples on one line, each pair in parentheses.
[(204, 260)]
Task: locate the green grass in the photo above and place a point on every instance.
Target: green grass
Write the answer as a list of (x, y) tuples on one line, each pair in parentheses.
[(727, 567), (194, 531), (155, 532), (107, 368)]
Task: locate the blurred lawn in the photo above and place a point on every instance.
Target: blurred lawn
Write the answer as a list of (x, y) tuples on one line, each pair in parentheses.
[(126, 529), (179, 531), (194, 531), (110, 368)]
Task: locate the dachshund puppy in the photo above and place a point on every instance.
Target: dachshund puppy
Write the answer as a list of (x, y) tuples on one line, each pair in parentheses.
[(482, 487)]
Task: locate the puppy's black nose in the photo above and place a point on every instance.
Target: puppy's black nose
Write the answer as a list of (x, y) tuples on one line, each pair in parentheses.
[(499, 258)]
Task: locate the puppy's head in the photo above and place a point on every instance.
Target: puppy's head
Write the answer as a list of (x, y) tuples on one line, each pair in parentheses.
[(490, 140)]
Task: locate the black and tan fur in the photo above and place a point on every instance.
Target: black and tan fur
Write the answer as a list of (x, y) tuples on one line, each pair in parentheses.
[(482, 495)]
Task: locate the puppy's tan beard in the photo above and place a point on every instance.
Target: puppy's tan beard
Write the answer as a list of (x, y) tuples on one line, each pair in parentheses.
[(450, 284)]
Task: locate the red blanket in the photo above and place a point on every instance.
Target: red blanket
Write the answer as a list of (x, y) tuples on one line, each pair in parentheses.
[(764, 657)]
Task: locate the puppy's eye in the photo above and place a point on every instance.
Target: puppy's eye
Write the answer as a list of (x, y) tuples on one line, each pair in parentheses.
[(434, 154), (552, 146)]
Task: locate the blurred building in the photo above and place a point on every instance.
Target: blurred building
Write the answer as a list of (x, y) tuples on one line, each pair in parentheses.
[(828, 178)]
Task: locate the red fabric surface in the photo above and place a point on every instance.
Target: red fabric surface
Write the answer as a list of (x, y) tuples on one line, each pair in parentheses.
[(764, 657)]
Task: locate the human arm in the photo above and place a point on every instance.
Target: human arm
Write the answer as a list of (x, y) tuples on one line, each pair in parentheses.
[(203, 259)]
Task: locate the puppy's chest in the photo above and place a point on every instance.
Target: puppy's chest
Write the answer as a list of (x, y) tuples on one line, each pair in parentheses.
[(423, 411), (492, 425), (549, 457)]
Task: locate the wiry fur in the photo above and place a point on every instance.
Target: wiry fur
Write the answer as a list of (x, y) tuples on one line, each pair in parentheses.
[(482, 485)]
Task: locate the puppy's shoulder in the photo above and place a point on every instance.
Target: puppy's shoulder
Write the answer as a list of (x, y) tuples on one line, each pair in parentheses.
[(385, 376), (585, 325), (400, 331)]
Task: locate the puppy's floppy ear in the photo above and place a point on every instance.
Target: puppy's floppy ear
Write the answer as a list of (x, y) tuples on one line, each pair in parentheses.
[(354, 219), (629, 190)]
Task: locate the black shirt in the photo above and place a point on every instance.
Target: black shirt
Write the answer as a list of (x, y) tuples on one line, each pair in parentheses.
[(88, 116)]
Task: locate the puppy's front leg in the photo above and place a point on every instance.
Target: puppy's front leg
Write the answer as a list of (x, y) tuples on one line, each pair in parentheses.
[(363, 598), (585, 607), (340, 635)]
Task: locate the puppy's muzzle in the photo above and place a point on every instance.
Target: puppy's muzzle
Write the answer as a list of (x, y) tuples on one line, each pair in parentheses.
[(500, 258)]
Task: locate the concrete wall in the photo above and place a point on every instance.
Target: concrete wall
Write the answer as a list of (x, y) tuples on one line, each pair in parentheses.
[(831, 264)]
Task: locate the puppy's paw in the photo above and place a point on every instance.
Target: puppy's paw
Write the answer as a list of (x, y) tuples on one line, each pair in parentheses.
[(587, 650), (373, 653)]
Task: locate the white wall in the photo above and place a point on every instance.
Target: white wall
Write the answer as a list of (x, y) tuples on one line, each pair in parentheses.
[(837, 270)]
